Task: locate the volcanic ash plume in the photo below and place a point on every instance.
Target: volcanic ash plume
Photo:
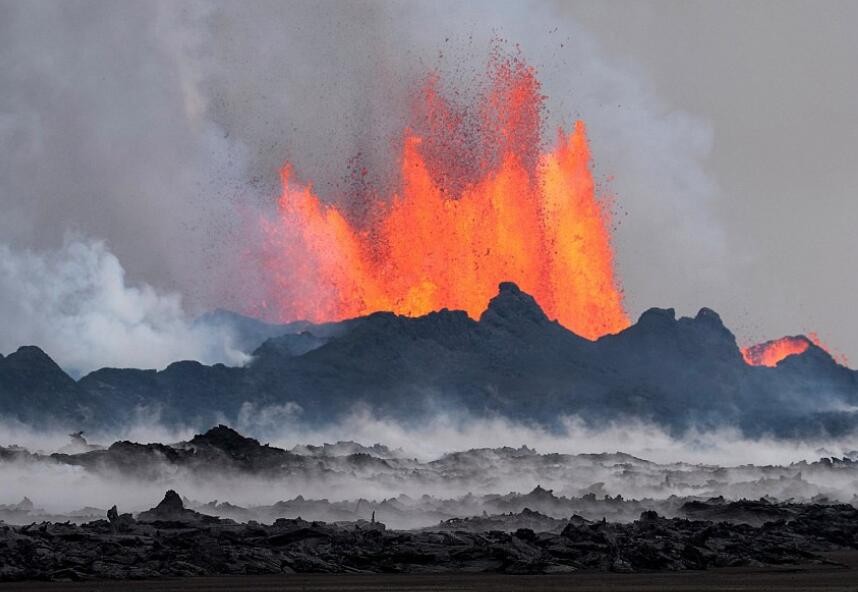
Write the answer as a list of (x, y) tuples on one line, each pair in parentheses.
[(478, 203)]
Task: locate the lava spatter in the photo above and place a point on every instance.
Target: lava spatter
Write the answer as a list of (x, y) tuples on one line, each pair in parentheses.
[(478, 203)]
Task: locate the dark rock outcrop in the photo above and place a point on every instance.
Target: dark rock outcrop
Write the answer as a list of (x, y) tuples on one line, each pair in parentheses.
[(172, 510)]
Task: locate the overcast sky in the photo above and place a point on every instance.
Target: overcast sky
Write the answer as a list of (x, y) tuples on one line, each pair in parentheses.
[(775, 81), (726, 130)]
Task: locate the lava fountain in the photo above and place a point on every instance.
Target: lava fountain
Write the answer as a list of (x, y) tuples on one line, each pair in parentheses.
[(478, 203)]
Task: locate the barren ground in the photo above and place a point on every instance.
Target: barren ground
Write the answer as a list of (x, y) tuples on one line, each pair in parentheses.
[(839, 576)]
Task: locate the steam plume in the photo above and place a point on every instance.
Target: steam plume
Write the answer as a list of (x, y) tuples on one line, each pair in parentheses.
[(76, 304)]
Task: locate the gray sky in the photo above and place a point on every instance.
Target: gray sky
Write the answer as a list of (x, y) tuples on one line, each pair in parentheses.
[(727, 131), (776, 83)]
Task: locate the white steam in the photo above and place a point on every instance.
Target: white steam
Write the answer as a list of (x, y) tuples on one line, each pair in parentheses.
[(446, 433), (76, 304), (62, 488)]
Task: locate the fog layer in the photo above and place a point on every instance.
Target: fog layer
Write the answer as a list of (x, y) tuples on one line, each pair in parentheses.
[(503, 457)]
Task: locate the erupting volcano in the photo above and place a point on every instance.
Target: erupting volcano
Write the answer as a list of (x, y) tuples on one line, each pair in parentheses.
[(478, 203)]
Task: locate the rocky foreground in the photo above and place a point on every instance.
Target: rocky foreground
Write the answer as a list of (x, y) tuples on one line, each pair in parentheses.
[(171, 540)]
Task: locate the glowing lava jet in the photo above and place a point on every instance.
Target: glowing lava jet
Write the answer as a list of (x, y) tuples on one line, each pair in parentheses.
[(478, 203), (771, 353)]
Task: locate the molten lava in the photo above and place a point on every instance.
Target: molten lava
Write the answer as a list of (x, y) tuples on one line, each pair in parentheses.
[(770, 353), (478, 203)]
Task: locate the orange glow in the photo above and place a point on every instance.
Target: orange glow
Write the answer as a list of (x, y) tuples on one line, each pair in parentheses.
[(772, 352), (477, 203)]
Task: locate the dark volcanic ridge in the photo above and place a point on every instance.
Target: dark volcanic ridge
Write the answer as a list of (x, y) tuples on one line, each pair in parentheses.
[(513, 363), (171, 540)]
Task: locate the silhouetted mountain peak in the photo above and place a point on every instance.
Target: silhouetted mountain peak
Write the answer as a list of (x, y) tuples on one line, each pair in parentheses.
[(171, 503), (31, 356), (657, 317), (675, 355), (813, 359), (183, 366), (541, 492), (512, 306), (709, 321), (706, 329), (30, 370), (173, 509), (707, 315)]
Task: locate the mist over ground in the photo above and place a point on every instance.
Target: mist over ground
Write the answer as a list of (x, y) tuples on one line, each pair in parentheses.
[(450, 432), (506, 458)]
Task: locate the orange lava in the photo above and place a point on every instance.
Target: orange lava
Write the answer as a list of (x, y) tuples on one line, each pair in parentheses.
[(770, 353), (477, 203)]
